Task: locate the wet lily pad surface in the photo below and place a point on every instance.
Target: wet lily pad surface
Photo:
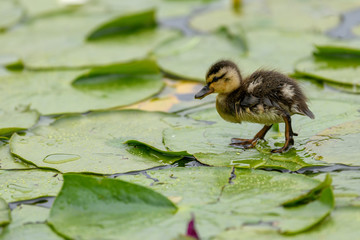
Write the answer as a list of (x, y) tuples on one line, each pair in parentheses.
[(101, 137), (225, 193), (27, 225), (16, 120), (64, 145), (28, 184)]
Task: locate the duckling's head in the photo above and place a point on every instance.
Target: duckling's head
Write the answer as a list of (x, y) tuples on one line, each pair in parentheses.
[(223, 77)]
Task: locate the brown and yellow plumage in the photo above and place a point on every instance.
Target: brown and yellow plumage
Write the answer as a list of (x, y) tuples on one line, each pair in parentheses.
[(264, 97)]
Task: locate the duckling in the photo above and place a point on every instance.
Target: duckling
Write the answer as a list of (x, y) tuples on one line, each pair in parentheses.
[(265, 97)]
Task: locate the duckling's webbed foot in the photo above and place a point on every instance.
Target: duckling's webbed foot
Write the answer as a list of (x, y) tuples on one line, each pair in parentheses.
[(289, 140), (250, 143), (243, 143)]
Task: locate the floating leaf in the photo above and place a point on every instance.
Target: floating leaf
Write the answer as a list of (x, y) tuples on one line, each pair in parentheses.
[(27, 225), (222, 199), (8, 161), (333, 70), (4, 213), (17, 120), (336, 144), (56, 92), (10, 14), (344, 222), (91, 207), (42, 8), (95, 142), (20, 185)]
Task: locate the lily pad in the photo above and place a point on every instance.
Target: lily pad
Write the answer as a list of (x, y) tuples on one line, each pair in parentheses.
[(56, 92), (90, 207), (20, 185), (42, 8), (337, 144), (344, 222), (346, 187), (42, 44), (4, 213), (10, 14), (8, 161), (95, 142), (27, 225), (17, 120), (222, 199), (166, 8), (333, 70)]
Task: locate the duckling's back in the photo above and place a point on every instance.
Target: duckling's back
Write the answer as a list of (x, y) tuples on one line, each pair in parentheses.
[(263, 97)]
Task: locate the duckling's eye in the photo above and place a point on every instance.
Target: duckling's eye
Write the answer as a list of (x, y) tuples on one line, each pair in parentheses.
[(215, 79)]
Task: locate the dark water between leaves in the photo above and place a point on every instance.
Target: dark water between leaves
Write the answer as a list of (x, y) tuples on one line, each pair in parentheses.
[(348, 21)]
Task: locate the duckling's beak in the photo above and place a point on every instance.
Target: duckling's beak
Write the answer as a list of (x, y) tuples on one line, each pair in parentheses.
[(204, 92)]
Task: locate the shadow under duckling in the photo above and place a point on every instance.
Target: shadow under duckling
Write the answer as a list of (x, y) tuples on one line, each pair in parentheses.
[(265, 97)]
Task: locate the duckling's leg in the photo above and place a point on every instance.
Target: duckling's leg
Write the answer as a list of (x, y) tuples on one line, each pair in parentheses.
[(289, 140), (250, 143)]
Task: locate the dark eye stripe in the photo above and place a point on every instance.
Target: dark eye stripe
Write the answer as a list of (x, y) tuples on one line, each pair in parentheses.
[(215, 79)]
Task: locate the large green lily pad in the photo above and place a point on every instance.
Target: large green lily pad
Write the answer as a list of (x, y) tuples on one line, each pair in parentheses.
[(95, 142), (4, 213), (17, 120), (55, 92), (337, 144), (20, 185), (42, 43), (222, 202), (28, 222), (90, 207)]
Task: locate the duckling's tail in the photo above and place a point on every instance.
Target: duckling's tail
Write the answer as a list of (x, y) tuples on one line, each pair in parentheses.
[(308, 113)]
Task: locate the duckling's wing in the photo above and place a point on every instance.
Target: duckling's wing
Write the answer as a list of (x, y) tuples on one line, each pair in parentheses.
[(249, 100)]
